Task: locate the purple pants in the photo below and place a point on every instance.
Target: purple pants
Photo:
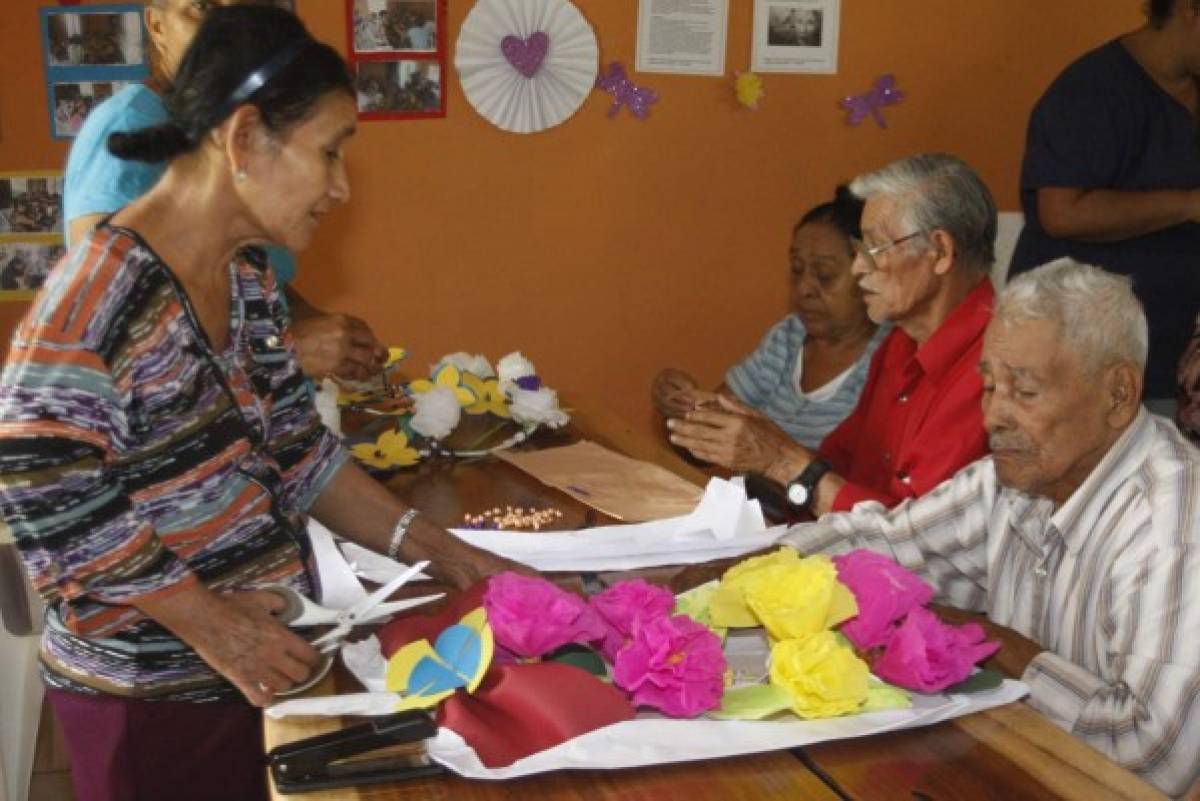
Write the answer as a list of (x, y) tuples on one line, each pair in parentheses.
[(124, 749)]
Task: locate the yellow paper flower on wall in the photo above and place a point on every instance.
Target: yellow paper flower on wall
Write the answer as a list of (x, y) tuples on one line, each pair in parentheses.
[(390, 450), (489, 398), (749, 89), (447, 376)]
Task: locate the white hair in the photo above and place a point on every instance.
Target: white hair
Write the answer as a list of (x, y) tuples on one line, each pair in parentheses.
[(945, 194), (1096, 312)]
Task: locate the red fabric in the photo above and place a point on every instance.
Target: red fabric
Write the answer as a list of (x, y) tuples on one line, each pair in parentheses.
[(919, 419), (519, 709)]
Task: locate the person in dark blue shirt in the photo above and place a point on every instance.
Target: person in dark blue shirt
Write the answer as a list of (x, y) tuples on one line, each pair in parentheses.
[(1112, 176)]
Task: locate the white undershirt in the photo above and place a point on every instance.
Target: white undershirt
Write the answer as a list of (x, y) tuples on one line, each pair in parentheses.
[(822, 393)]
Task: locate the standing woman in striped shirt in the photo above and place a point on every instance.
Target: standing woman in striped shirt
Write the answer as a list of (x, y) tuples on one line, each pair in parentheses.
[(159, 452), (811, 366)]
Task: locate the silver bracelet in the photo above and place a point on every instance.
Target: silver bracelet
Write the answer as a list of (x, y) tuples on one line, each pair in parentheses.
[(399, 531)]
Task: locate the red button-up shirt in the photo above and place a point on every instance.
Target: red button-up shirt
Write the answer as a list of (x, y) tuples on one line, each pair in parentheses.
[(919, 419)]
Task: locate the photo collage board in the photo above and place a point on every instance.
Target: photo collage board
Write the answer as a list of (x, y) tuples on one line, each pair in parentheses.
[(397, 49), (90, 53), (31, 231)]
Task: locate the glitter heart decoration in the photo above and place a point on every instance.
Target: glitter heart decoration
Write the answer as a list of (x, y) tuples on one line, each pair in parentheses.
[(526, 55)]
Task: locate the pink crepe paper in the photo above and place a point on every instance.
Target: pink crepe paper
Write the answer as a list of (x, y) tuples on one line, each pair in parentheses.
[(672, 664), (885, 592), (927, 655), (626, 606), (532, 617)]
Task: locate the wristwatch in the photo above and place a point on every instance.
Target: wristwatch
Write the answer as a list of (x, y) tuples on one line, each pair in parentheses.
[(803, 488)]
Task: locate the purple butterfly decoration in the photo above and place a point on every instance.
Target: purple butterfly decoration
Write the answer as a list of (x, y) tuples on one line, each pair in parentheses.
[(883, 93), (625, 92)]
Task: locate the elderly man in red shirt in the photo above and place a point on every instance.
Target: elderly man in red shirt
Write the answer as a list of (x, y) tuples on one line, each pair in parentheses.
[(929, 229)]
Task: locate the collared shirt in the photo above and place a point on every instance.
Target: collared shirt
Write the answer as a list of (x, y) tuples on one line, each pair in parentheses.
[(919, 417), (1103, 583), (765, 380), (136, 461)]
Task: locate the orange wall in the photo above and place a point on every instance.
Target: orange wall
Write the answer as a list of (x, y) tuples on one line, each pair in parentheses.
[(605, 249)]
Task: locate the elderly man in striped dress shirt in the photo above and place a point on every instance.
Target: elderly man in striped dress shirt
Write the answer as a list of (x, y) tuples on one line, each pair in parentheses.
[(1078, 534)]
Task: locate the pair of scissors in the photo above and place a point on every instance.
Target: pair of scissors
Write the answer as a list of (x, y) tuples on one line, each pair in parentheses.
[(365, 611)]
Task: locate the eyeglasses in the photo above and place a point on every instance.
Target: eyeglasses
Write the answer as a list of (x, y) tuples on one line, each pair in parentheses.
[(869, 253)]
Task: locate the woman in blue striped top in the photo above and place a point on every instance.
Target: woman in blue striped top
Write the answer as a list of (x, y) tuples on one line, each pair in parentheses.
[(810, 367)]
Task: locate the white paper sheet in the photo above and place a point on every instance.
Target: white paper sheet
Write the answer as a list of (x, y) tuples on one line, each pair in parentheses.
[(654, 740), (724, 524)]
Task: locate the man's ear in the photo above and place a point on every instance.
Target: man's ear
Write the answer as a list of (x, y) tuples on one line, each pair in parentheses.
[(1123, 388), (945, 250)]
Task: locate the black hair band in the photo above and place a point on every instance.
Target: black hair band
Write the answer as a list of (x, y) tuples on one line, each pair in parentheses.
[(261, 77)]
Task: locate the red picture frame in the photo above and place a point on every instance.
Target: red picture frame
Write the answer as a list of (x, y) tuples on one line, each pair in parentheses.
[(399, 64)]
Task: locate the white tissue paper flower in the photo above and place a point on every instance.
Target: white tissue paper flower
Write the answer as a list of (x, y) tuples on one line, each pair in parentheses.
[(532, 407), (512, 367), (475, 365), (436, 412)]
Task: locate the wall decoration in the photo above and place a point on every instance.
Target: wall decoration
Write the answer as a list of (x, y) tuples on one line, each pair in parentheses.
[(527, 66), (748, 89), (31, 230), (398, 53), (90, 53), (682, 38), (625, 92), (883, 93), (796, 35)]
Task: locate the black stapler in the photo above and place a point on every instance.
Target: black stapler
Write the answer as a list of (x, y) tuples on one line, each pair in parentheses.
[(381, 750)]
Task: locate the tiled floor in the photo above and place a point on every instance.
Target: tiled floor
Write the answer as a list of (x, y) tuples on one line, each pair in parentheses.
[(51, 779)]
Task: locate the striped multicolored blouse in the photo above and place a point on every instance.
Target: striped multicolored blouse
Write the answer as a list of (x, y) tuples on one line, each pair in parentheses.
[(134, 460)]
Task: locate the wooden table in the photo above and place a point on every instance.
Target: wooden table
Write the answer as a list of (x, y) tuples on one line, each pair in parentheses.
[(1008, 753)]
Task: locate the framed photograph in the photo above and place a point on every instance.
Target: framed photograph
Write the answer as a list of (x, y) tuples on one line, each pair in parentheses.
[(24, 267), (383, 29), (31, 206), (796, 36), (398, 54), (92, 38), (89, 54), (74, 100), (411, 87)]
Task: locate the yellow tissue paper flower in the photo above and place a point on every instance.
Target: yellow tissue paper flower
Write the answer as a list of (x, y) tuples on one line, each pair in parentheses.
[(488, 396), (727, 606), (394, 355), (390, 450), (823, 677), (749, 89), (447, 376), (798, 598)]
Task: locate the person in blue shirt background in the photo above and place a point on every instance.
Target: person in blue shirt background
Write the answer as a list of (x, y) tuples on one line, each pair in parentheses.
[(99, 184)]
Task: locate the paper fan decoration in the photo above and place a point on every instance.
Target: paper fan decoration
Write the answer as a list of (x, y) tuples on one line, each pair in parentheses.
[(526, 66)]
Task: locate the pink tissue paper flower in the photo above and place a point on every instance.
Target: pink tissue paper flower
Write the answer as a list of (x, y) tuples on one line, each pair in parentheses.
[(626, 606), (927, 655), (532, 617), (885, 592), (673, 664)]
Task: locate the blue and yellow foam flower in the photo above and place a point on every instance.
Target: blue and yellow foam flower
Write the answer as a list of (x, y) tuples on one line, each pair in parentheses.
[(425, 674)]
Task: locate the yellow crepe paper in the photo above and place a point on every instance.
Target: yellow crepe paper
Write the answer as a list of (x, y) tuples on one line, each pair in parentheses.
[(394, 355), (806, 597), (390, 450), (447, 376), (749, 89), (403, 662), (489, 398), (728, 607), (823, 677)]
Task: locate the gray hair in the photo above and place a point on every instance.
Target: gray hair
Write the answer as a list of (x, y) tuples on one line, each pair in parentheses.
[(1096, 312), (945, 194)]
